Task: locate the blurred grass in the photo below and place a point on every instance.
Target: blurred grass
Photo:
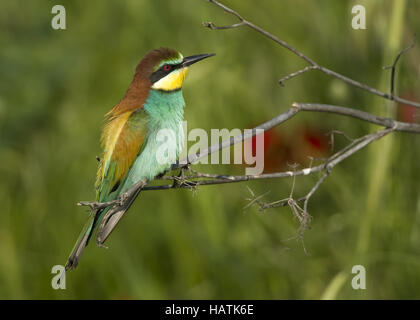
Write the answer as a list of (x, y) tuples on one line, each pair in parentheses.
[(380, 154), (55, 87)]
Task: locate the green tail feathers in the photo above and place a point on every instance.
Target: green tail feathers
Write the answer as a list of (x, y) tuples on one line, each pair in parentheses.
[(83, 239)]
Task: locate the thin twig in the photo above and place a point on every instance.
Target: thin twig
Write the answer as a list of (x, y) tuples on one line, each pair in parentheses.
[(394, 65), (312, 63), (295, 74)]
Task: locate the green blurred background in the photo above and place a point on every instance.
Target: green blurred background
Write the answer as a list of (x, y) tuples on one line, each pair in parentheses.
[(55, 87)]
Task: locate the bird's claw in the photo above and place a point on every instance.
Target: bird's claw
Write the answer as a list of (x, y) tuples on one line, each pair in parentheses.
[(122, 199), (101, 245)]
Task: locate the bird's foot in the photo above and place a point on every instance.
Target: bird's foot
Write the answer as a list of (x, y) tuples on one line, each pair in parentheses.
[(181, 181), (93, 205), (122, 199), (101, 245)]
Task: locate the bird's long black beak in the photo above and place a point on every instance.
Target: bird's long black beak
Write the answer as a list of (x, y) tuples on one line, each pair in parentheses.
[(193, 59)]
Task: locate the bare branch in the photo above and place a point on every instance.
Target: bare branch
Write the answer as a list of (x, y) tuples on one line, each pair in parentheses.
[(362, 115), (213, 27), (119, 202), (239, 138), (312, 63), (309, 195), (295, 74), (394, 65), (296, 107), (254, 199), (302, 213)]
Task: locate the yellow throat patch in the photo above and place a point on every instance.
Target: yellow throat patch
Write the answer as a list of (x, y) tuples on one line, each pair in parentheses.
[(172, 81)]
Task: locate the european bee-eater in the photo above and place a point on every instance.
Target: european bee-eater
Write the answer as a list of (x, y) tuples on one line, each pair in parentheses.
[(153, 102)]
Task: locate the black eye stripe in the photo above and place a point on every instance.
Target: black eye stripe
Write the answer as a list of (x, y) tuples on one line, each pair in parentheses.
[(160, 73)]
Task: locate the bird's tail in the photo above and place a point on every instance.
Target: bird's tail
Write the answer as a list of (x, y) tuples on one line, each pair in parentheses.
[(83, 239), (108, 224), (106, 220)]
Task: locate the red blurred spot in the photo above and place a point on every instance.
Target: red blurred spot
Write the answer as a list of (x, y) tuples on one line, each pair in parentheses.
[(295, 145), (269, 139), (406, 112), (314, 140)]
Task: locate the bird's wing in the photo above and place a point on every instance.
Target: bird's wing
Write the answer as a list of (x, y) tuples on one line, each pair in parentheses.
[(122, 138), (135, 128)]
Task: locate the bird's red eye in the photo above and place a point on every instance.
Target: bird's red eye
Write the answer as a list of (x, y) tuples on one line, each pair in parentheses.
[(166, 67)]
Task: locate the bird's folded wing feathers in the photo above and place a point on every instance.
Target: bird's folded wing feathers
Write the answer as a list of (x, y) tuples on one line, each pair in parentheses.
[(122, 139)]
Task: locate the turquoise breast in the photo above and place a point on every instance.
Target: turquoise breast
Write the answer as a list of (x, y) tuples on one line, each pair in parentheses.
[(164, 139)]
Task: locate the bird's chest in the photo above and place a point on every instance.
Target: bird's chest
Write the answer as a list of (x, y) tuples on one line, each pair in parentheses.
[(165, 136), (165, 141)]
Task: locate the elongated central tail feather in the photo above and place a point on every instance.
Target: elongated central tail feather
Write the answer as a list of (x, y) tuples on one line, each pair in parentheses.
[(83, 239)]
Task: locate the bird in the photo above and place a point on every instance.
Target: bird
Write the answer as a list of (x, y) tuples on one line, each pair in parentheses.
[(131, 140)]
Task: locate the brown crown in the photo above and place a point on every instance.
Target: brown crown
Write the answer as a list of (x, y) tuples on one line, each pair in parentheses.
[(138, 90)]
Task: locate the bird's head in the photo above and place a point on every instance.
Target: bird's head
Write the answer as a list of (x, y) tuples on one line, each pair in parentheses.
[(165, 69)]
